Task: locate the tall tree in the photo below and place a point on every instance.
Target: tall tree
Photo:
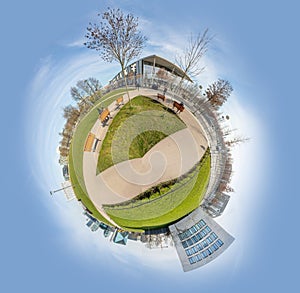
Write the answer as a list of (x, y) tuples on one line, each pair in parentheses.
[(189, 61), (218, 92), (85, 87), (95, 86), (116, 38), (94, 83), (70, 111), (76, 94), (237, 140)]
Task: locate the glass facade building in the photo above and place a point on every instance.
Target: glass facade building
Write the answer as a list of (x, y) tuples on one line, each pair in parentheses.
[(199, 239)]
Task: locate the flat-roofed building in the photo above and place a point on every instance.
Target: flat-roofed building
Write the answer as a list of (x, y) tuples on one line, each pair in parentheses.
[(199, 239)]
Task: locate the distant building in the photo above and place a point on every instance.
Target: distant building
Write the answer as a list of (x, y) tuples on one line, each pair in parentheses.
[(134, 236), (216, 206), (199, 239), (68, 190), (121, 237), (87, 214), (95, 226), (90, 223), (106, 232), (65, 171)]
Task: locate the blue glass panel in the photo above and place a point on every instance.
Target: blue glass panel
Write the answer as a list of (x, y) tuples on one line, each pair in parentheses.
[(194, 239), (189, 242), (207, 229), (198, 256), (220, 242), (199, 246), (215, 246)]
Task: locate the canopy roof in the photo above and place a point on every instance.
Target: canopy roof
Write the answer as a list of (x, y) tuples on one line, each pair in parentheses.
[(161, 62)]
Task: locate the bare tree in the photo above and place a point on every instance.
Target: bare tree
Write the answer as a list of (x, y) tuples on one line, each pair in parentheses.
[(237, 140), (76, 94), (85, 87), (189, 61), (162, 73), (116, 38), (218, 92), (228, 131), (86, 90), (94, 83), (70, 111), (96, 87)]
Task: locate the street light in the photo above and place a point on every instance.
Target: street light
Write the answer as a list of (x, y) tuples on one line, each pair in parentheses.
[(60, 189)]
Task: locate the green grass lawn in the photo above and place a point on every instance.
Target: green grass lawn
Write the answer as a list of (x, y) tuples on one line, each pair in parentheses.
[(135, 129), (142, 143), (81, 193), (77, 146), (167, 206)]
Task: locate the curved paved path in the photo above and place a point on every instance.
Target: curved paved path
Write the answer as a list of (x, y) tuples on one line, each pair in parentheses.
[(168, 159)]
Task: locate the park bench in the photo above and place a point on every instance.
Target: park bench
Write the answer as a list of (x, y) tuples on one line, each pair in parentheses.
[(95, 144), (178, 106), (160, 96), (119, 101), (104, 116), (89, 142)]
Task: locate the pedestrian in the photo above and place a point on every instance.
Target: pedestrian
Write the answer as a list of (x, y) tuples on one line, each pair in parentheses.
[(165, 90)]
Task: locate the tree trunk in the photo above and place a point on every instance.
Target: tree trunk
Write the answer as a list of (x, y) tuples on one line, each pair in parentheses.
[(125, 80)]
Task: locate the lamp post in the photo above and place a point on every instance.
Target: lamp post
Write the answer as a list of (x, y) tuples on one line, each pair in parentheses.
[(60, 189)]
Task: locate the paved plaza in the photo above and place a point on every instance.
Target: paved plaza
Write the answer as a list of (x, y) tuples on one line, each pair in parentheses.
[(168, 159)]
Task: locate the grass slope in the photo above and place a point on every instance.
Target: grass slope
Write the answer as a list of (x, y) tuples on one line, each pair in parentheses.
[(135, 129), (142, 143), (81, 193), (183, 197)]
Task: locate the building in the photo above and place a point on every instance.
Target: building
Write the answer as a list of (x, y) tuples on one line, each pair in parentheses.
[(217, 205), (199, 239), (68, 190), (153, 67), (65, 171), (121, 237)]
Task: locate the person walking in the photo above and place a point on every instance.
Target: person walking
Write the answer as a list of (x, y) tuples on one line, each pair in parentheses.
[(165, 90)]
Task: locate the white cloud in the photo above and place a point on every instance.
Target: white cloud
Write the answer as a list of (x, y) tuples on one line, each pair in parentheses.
[(49, 92), (78, 43)]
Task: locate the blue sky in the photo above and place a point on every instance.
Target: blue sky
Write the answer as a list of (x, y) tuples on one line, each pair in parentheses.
[(45, 246)]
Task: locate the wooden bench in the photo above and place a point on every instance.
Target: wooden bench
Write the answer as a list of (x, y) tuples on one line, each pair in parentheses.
[(119, 101), (104, 116), (160, 96), (89, 142), (178, 106)]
